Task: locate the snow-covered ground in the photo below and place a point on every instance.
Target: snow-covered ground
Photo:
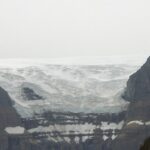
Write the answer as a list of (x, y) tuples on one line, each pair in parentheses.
[(95, 86), (15, 130), (138, 122), (77, 129)]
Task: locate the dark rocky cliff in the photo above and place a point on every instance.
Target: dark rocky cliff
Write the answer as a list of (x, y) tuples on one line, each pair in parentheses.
[(137, 127), (8, 118), (138, 85), (8, 115)]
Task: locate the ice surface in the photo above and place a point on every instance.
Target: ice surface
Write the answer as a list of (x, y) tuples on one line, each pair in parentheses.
[(147, 123), (113, 137), (92, 86), (139, 122), (113, 126), (105, 137), (15, 130)]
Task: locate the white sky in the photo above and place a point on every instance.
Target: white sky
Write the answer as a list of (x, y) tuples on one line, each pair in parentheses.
[(68, 28)]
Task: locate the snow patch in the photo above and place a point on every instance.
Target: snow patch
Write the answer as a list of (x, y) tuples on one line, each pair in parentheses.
[(87, 128), (112, 126), (147, 123), (105, 137), (113, 137), (138, 122), (77, 139), (15, 130), (66, 129)]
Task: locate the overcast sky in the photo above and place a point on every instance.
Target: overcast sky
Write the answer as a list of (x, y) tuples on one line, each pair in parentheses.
[(68, 28)]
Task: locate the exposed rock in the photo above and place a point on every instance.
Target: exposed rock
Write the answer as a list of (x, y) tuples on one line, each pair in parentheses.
[(146, 144), (138, 93), (8, 118), (8, 115), (29, 94), (138, 85)]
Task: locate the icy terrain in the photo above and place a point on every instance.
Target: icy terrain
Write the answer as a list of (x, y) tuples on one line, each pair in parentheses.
[(37, 87), (15, 130)]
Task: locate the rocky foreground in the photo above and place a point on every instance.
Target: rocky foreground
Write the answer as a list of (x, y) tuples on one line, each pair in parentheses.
[(80, 131)]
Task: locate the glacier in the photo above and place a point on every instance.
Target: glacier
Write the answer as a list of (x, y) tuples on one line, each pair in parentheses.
[(62, 87)]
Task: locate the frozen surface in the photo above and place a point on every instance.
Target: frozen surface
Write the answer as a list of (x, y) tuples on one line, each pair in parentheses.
[(139, 122), (66, 129), (112, 126), (113, 137), (95, 86), (15, 130), (147, 123), (105, 137)]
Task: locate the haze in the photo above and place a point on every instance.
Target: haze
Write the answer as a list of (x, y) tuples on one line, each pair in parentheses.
[(70, 28)]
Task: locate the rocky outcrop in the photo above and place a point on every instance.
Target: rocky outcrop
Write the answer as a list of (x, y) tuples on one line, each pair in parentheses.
[(8, 118), (138, 93), (29, 94), (138, 85), (137, 127), (8, 115)]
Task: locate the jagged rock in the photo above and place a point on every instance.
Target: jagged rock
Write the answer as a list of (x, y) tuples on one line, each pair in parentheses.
[(138, 85), (29, 94), (8, 115), (8, 118), (138, 93)]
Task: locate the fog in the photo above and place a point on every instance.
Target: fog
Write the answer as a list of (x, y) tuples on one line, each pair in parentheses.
[(70, 28)]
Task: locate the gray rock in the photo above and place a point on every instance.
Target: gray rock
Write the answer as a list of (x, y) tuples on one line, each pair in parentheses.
[(138, 85), (138, 93)]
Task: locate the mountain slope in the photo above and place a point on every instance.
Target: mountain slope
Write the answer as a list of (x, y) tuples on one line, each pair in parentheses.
[(89, 89), (73, 107), (137, 125)]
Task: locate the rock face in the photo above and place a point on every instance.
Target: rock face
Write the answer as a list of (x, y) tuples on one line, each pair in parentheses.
[(8, 118), (29, 94), (138, 85), (138, 93), (137, 127), (8, 115)]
